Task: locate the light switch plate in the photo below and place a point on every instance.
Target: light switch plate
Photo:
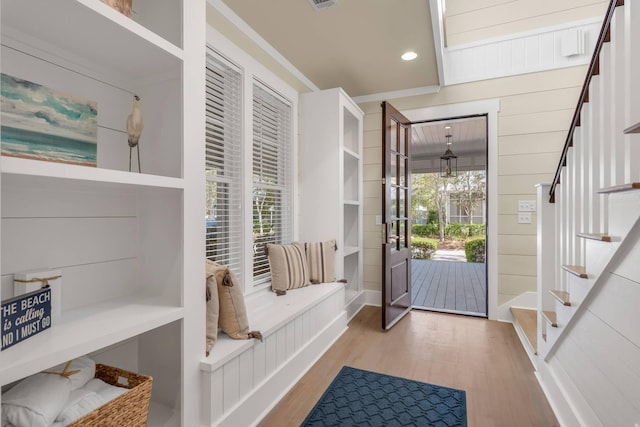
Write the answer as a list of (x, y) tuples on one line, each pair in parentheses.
[(526, 205), (524, 218)]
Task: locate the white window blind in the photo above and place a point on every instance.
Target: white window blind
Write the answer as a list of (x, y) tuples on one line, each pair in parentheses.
[(272, 140), (224, 162)]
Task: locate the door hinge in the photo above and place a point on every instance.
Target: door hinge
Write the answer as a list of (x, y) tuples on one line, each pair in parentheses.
[(384, 181)]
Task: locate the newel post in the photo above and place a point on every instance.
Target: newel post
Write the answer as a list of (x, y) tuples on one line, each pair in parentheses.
[(546, 258)]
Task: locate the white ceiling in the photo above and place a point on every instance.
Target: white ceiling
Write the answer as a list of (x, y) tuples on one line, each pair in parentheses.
[(468, 142), (355, 45)]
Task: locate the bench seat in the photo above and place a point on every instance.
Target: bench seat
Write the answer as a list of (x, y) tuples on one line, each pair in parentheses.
[(244, 379)]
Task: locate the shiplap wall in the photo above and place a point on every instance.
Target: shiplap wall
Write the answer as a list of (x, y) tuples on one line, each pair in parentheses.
[(471, 20), (600, 356), (535, 113)]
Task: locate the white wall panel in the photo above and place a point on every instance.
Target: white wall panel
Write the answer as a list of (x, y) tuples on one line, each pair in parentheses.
[(231, 383), (271, 352), (246, 372), (215, 382), (290, 339), (607, 402), (259, 362), (596, 339), (518, 53), (612, 307)]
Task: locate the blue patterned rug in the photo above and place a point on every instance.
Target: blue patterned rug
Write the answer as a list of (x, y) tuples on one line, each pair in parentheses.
[(363, 398)]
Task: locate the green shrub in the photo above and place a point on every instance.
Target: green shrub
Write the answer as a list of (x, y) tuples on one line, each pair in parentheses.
[(422, 247), (425, 230), (462, 231), (432, 217), (474, 249)]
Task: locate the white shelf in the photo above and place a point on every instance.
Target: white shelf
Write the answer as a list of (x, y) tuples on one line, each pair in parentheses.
[(351, 153), (84, 330), (351, 203), (35, 168), (350, 250), (81, 26)]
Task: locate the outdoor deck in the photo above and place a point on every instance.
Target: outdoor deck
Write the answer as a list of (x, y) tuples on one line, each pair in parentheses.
[(449, 286)]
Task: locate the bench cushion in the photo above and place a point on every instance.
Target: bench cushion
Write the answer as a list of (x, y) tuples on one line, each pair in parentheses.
[(289, 269), (321, 257)]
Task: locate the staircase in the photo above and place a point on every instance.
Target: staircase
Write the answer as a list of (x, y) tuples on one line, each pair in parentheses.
[(584, 336)]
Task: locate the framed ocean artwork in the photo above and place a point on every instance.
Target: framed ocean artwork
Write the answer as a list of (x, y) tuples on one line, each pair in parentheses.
[(40, 123)]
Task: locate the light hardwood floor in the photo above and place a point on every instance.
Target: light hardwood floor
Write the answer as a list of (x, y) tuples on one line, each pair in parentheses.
[(482, 357)]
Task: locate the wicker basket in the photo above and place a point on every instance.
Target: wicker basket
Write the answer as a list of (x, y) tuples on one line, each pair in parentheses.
[(127, 410)]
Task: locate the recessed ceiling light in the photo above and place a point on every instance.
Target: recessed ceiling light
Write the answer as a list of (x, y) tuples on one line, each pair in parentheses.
[(408, 56)]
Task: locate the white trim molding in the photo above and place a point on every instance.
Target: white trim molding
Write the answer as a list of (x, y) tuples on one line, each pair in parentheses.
[(548, 48), (404, 93)]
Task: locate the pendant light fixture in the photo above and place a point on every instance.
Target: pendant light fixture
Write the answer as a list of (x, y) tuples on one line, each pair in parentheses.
[(448, 161)]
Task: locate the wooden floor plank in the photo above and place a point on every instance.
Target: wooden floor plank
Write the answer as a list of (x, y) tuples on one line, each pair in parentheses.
[(482, 357)]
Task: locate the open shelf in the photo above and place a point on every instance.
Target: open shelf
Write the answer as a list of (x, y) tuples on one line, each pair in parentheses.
[(130, 48), (351, 174), (351, 131), (84, 330), (353, 154), (34, 168), (351, 226), (350, 250)]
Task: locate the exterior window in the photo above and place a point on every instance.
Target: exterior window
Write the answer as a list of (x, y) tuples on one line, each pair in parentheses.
[(271, 190), (224, 163)]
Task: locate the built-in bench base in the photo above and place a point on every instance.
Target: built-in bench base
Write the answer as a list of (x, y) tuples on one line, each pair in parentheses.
[(244, 379)]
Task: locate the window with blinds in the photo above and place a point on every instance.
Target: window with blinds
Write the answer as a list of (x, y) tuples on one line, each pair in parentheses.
[(224, 162), (271, 196)]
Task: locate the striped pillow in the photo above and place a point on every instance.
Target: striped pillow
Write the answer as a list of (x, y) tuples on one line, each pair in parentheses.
[(288, 265), (321, 257)]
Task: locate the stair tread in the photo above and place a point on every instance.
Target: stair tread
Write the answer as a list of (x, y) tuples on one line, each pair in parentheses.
[(551, 317), (620, 188), (576, 270), (633, 128), (561, 296), (528, 322), (595, 236)]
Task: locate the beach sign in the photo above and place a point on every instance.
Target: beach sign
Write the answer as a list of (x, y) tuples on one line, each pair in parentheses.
[(25, 316)]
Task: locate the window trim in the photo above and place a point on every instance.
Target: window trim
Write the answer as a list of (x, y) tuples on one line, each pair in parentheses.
[(252, 69), (233, 224)]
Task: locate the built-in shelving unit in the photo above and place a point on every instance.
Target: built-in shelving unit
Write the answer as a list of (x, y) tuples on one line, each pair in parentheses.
[(331, 179), (127, 243)]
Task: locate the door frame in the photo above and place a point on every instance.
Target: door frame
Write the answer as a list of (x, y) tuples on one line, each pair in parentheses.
[(485, 206), (490, 107)]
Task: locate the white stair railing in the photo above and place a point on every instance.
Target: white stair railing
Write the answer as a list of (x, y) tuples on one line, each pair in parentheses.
[(573, 215)]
